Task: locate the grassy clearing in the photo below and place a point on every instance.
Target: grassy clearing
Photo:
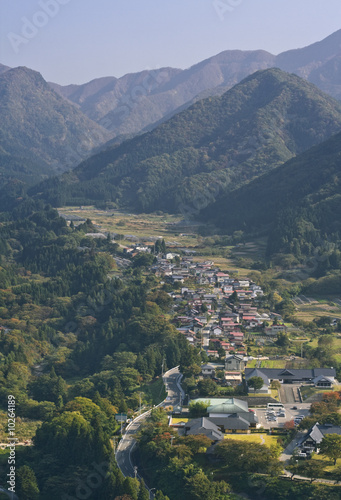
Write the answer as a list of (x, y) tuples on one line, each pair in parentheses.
[(253, 438), (309, 392), (273, 363), (178, 420), (24, 429)]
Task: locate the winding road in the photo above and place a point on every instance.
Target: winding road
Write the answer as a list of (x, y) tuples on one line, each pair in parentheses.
[(175, 396)]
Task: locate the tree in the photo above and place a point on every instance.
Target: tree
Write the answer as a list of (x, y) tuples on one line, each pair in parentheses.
[(275, 384), (160, 496), (256, 383), (27, 486), (143, 492), (283, 340), (331, 446), (311, 469), (207, 387), (198, 409)]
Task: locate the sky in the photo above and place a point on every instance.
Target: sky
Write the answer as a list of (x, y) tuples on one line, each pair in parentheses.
[(75, 41)]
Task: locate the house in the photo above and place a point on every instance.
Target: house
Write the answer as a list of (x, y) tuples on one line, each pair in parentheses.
[(233, 378), (230, 414), (217, 331), (323, 381), (208, 370), (275, 330), (234, 363), (311, 441), (255, 372), (290, 376), (204, 426)]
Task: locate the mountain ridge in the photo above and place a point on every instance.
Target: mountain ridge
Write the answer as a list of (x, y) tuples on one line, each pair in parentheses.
[(41, 133), (219, 143), (127, 106)]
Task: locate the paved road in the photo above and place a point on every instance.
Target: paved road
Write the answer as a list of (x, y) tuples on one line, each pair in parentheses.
[(175, 395), (288, 393)]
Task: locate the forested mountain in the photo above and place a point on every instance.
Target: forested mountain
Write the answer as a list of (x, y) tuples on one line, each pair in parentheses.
[(218, 144), (135, 101), (298, 205), (41, 133)]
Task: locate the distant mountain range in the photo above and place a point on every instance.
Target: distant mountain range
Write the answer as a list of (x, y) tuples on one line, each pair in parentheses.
[(215, 146), (138, 101), (41, 134)]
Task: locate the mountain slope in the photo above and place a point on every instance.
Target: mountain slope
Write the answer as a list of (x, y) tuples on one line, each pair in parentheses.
[(312, 177), (217, 144), (138, 101), (320, 63), (41, 133), (298, 206), (3, 68)]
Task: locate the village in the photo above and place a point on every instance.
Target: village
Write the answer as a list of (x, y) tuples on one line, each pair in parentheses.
[(253, 382), (217, 313)]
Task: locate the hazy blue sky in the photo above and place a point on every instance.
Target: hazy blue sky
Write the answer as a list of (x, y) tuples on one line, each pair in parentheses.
[(74, 41)]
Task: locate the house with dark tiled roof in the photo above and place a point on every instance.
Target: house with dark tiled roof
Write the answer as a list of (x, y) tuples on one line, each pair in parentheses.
[(230, 414), (311, 441), (256, 372), (204, 426), (290, 375)]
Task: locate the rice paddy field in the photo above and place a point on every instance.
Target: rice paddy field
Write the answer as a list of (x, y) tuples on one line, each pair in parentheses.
[(308, 308), (141, 226)]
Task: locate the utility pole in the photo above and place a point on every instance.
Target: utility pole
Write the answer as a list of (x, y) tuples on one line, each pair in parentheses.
[(163, 361), (114, 439), (135, 471), (140, 403)]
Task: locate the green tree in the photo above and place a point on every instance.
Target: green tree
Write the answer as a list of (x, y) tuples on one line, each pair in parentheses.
[(275, 384), (256, 383), (331, 446), (143, 492), (198, 409), (160, 496), (26, 484)]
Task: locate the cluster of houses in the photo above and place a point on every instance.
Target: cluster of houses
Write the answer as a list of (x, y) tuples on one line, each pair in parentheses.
[(210, 320)]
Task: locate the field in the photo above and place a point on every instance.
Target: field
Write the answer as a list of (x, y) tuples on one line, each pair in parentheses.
[(267, 363), (142, 226), (24, 430), (307, 311), (148, 227), (253, 438)]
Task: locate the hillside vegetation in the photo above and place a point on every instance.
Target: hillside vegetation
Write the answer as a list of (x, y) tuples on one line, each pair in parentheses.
[(216, 145)]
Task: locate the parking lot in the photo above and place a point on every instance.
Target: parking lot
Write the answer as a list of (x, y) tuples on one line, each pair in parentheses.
[(290, 414)]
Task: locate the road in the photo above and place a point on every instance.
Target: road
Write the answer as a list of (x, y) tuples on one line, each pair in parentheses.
[(175, 395)]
